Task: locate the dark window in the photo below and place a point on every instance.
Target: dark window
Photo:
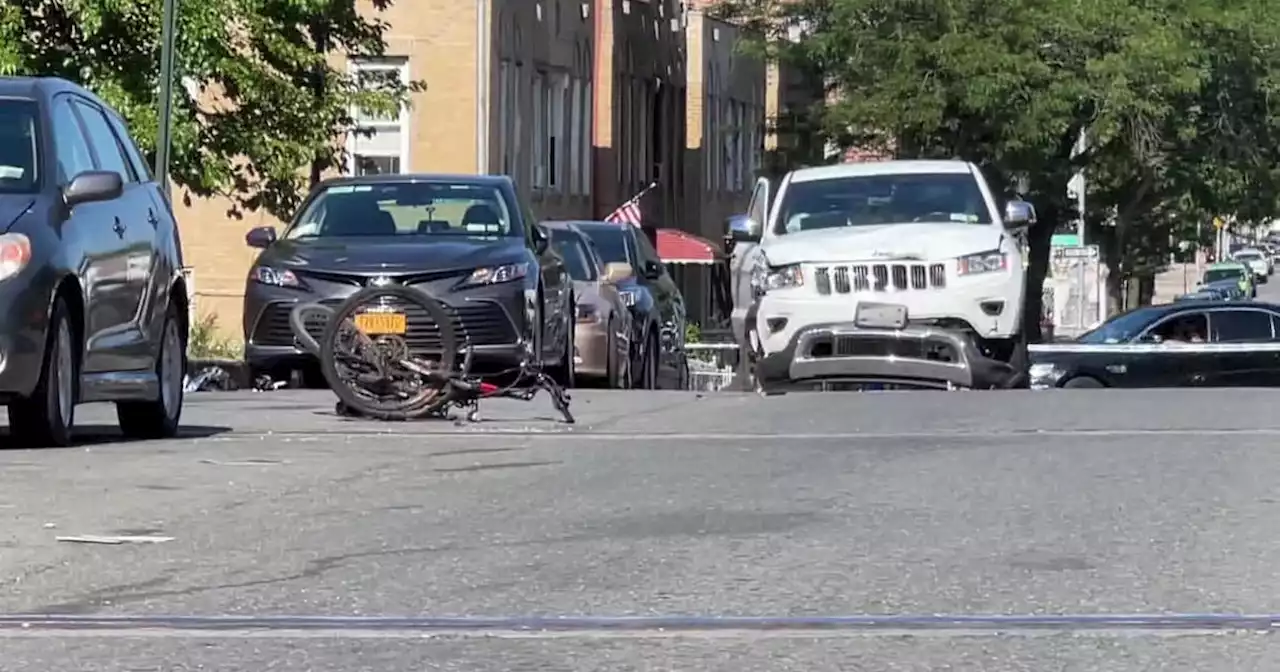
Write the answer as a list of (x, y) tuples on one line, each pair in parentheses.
[(1238, 326), (1183, 328), (875, 200), (104, 142), (19, 145), (577, 259), (70, 145), (377, 165), (613, 245)]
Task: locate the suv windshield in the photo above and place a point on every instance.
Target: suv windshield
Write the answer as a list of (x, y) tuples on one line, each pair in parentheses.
[(1216, 274), (874, 200), (576, 258), (18, 145), (406, 209)]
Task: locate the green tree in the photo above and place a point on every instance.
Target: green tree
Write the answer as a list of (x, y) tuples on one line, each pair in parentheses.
[(1010, 85), (264, 102)]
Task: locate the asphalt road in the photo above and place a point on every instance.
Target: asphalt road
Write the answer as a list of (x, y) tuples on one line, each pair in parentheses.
[(798, 515)]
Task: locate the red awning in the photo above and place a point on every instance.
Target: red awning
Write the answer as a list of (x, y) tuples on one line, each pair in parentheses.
[(681, 247)]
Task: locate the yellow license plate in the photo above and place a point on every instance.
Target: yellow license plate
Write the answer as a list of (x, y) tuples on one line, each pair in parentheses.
[(380, 324)]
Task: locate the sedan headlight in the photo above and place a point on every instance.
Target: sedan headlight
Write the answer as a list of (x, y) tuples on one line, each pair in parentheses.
[(983, 262), (278, 277), (15, 254), (493, 275), (1045, 374)]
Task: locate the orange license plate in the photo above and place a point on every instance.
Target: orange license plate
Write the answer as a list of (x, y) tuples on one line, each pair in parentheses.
[(381, 324)]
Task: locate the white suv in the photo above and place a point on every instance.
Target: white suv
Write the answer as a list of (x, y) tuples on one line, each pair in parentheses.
[(902, 273)]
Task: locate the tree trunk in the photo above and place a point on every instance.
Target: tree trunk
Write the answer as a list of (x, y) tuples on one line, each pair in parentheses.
[(1038, 239)]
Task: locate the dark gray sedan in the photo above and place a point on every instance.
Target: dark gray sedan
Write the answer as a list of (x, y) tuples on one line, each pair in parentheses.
[(93, 303)]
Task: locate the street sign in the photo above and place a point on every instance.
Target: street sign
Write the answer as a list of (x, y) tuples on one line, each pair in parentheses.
[(1076, 252), (1219, 222)]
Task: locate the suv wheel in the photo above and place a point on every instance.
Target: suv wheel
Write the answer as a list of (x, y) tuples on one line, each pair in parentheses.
[(47, 416), (159, 419)]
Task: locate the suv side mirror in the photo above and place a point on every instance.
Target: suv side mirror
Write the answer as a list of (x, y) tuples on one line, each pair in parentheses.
[(743, 229), (93, 185), (260, 237), (1019, 215), (652, 270), (617, 271)]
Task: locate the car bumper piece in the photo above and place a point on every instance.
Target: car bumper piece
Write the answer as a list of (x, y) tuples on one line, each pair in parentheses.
[(840, 355)]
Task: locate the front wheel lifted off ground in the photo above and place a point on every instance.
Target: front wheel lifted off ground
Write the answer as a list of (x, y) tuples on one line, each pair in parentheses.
[(46, 417), (159, 418)]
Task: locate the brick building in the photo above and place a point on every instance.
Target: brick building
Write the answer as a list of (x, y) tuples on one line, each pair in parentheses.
[(583, 102)]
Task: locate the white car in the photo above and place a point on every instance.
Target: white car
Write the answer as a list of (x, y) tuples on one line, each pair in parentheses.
[(1257, 261), (897, 273)]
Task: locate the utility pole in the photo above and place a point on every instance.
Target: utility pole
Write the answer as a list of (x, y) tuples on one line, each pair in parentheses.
[(1077, 185), (164, 131)]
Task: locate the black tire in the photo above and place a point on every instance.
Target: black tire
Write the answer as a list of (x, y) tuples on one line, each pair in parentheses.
[(615, 372), (45, 419), (161, 418), (363, 405), (649, 363), (566, 371), (1083, 383)]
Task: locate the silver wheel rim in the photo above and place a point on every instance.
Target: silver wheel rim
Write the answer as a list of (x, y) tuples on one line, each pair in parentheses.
[(64, 375), (170, 371)]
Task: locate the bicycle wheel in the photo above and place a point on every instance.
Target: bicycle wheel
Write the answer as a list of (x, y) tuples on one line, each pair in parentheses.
[(298, 324), (371, 336)]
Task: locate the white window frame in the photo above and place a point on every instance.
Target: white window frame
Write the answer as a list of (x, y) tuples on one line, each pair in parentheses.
[(574, 147), (506, 116), (399, 65), (588, 140)]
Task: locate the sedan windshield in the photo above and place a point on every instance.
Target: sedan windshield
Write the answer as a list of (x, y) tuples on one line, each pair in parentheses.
[(612, 245), (18, 153), (874, 200), (1123, 327), (1249, 256), (436, 208), (576, 258), (1216, 274)]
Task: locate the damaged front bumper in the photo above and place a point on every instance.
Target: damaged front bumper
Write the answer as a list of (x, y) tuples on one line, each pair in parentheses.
[(842, 355)]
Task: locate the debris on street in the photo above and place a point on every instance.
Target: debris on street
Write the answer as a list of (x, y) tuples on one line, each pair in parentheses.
[(114, 539)]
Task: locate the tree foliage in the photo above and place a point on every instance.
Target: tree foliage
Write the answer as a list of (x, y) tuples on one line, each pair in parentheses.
[(1176, 97), (263, 104)]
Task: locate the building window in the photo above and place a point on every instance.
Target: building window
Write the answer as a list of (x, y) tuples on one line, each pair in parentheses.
[(575, 137), (380, 144), (541, 132), (727, 135), (506, 119)]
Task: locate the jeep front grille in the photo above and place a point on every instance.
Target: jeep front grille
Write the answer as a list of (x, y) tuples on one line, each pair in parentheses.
[(879, 277)]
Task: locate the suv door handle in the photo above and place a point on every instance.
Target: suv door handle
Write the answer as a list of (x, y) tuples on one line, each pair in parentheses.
[(151, 217), (118, 227)]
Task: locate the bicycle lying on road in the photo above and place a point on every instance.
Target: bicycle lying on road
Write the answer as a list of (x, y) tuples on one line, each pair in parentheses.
[(366, 358)]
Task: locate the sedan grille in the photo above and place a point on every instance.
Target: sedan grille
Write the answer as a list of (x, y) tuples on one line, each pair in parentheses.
[(879, 277), (483, 323)]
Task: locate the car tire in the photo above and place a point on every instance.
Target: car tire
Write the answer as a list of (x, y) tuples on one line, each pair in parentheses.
[(566, 371), (160, 419), (46, 418), (1083, 383)]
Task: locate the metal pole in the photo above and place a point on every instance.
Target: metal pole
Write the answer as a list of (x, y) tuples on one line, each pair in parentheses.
[(164, 131), (1082, 145)]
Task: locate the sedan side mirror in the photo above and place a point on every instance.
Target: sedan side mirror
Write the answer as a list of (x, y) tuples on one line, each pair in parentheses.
[(743, 229), (1019, 215), (652, 270), (616, 272), (260, 237), (541, 241), (93, 185)]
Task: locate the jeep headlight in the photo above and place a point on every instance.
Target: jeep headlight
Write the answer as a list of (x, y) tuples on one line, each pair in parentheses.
[(982, 262), (784, 277)]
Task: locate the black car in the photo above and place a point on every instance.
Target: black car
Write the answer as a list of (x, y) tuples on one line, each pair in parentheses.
[(1191, 343), (93, 306), (657, 306), (464, 239)]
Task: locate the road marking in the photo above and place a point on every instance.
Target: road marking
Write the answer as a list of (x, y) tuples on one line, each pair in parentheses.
[(563, 435), (230, 627)]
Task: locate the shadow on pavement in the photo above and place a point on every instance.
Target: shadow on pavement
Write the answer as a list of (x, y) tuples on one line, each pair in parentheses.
[(97, 435)]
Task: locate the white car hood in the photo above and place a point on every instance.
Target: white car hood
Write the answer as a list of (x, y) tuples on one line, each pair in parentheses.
[(926, 241)]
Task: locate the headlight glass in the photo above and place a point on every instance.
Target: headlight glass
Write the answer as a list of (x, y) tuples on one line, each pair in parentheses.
[(1045, 373), (15, 254), (278, 277), (983, 262), (493, 275), (784, 277)]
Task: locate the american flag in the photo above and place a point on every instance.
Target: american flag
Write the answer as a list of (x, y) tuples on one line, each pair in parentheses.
[(629, 212)]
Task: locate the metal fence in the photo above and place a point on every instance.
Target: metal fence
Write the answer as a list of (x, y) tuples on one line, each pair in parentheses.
[(711, 365)]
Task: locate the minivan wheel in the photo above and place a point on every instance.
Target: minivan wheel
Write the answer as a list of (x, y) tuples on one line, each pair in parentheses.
[(159, 419), (46, 417)]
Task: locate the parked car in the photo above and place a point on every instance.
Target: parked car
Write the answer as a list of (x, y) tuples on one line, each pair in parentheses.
[(1257, 261), (1227, 290), (658, 305), (91, 287), (603, 336), (1202, 344), (1231, 270), (464, 239)]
